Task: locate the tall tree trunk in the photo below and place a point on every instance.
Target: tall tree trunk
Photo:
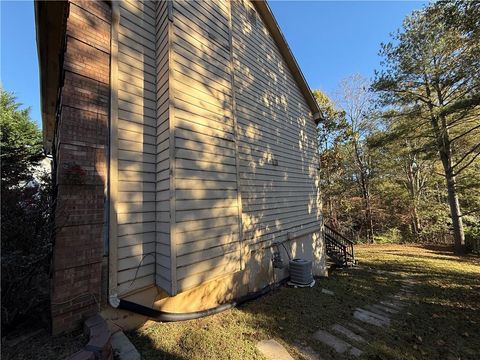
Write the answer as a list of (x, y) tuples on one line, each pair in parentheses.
[(416, 226), (445, 151), (457, 222), (369, 220), (440, 129)]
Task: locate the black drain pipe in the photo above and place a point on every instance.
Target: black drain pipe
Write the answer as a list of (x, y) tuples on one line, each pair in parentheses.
[(163, 316)]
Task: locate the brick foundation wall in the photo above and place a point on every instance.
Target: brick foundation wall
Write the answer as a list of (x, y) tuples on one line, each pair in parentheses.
[(81, 151)]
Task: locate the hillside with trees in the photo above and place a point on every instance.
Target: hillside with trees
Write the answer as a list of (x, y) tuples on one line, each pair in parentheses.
[(400, 155)]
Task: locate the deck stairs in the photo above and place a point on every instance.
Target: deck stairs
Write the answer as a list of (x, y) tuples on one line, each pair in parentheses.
[(339, 249)]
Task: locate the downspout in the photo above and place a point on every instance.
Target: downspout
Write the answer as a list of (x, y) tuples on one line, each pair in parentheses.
[(113, 158), (163, 316)]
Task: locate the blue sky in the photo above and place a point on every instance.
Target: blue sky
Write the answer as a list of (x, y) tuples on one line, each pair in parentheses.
[(330, 39), (19, 64), (334, 39)]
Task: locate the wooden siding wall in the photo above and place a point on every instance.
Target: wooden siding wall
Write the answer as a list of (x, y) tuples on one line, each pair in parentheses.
[(137, 153), (206, 208), (207, 106), (277, 137), (163, 247)]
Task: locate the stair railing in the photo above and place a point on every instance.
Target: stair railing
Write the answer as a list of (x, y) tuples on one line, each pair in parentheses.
[(346, 244)]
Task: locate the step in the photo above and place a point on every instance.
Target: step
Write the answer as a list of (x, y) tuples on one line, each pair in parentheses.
[(272, 350), (393, 304), (339, 345), (371, 318), (357, 328), (375, 310), (385, 309), (348, 333)]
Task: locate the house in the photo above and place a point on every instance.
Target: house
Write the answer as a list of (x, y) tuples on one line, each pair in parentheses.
[(184, 140)]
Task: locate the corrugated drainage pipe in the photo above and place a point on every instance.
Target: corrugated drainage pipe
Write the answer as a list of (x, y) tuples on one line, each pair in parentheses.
[(163, 316)]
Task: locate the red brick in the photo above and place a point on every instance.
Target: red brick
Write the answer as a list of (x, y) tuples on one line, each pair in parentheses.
[(89, 27), (83, 59), (82, 147)]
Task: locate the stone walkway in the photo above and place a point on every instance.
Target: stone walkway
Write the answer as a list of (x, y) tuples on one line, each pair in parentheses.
[(349, 337)]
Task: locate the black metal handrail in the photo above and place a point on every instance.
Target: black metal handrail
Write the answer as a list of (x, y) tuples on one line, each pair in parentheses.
[(340, 243)]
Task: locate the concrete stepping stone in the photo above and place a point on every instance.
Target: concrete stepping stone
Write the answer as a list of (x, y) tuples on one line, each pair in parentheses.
[(371, 318), (328, 292), (357, 328), (385, 309), (393, 304), (339, 345), (123, 348), (272, 350), (375, 310), (385, 318), (348, 333), (400, 297), (307, 352)]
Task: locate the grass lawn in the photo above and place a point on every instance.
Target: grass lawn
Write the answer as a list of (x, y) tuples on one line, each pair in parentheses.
[(441, 320)]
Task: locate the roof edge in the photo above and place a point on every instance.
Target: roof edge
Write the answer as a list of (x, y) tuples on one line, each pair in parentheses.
[(50, 26), (269, 19)]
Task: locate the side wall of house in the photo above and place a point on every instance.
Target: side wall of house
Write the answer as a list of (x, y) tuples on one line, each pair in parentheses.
[(81, 151), (163, 247), (276, 134), (235, 143), (137, 146), (206, 228)]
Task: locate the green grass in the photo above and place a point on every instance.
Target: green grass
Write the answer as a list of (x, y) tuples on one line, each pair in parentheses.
[(441, 321)]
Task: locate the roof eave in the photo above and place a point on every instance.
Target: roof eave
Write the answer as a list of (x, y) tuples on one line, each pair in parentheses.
[(50, 23)]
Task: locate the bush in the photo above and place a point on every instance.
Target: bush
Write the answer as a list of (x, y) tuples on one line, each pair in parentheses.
[(26, 219), (472, 235), (26, 253)]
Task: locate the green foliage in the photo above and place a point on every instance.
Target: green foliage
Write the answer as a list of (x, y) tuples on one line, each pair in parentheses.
[(21, 142), (26, 213), (430, 87), (472, 234)]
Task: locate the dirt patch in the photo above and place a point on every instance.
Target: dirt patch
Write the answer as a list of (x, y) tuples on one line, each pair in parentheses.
[(43, 346)]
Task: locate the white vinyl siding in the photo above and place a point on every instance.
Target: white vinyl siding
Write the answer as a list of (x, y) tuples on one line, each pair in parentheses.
[(136, 215), (277, 137), (206, 208)]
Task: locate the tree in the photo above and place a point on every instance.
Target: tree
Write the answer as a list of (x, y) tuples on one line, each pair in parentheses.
[(21, 142), (430, 73), (331, 131), (355, 99), (26, 215), (407, 160)]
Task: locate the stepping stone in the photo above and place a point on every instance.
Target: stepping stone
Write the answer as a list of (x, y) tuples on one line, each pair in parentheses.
[(393, 304), (328, 292), (122, 346), (398, 297), (375, 310), (371, 318), (385, 309), (348, 333), (385, 317), (307, 352), (272, 350), (357, 328), (337, 344)]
